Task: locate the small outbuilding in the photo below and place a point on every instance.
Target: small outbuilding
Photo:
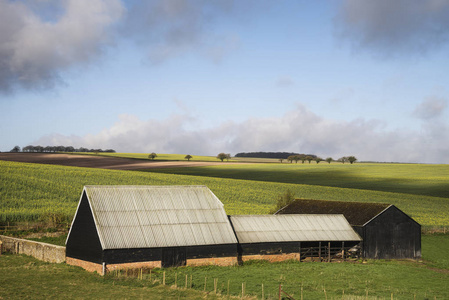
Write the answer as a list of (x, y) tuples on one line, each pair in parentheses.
[(149, 226), (282, 237), (386, 231)]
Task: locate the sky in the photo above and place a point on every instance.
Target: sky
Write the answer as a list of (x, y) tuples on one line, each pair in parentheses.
[(330, 78)]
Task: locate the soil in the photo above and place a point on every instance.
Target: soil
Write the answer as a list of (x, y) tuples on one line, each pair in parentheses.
[(101, 162)]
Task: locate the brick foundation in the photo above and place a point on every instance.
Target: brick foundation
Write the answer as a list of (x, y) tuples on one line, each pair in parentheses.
[(272, 258), (94, 267), (136, 265), (216, 261), (86, 265)]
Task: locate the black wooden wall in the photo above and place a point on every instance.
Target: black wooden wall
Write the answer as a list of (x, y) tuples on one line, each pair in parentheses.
[(83, 242), (392, 235)]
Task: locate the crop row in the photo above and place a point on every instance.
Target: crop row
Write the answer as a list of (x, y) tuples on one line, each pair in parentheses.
[(30, 191)]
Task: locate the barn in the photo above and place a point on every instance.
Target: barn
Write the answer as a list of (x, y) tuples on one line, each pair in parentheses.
[(149, 226), (387, 232), (282, 237)]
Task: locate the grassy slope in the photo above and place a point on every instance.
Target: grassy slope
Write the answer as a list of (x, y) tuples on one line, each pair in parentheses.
[(417, 179), (27, 278), (30, 191)]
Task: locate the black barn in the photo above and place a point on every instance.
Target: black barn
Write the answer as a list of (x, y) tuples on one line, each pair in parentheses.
[(149, 226), (387, 232)]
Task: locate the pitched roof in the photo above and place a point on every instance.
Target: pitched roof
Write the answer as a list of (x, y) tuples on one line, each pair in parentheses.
[(357, 213), (292, 228), (158, 216)]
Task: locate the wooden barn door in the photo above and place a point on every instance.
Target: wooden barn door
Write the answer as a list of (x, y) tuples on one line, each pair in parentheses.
[(173, 257)]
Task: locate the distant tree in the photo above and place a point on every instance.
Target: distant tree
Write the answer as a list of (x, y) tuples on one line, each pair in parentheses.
[(309, 159), (291, 158), (222, 156), (283, 200), (352, 159), (188, 157), (281, 160), (303, 159), (152, 156), (318, 160), (343, 159), (329, 160), (228, 156), (15, 149)]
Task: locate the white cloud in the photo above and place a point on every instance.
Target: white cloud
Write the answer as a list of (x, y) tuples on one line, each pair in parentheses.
[(35, 49), (395, 28), (300, 130)]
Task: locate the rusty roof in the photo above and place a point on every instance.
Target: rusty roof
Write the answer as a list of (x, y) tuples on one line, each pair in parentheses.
[(357, 213)]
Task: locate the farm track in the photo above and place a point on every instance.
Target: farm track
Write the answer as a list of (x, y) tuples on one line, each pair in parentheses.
[(99, 162)]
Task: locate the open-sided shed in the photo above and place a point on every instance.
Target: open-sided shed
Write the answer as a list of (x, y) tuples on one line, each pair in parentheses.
[(387, 232), (281, 237), (154, 226)]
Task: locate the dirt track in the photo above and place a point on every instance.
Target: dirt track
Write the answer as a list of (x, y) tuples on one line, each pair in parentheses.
[(101, 162)]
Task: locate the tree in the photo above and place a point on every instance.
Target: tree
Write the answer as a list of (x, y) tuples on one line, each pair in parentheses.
[(329, 160), (228, 156), (281, 160), (318, 160), (283, 200), (188, 157), (152, 156), (15, 149), (309, 159), (291, 158), (352, 159), (343, 159), (222, 156)]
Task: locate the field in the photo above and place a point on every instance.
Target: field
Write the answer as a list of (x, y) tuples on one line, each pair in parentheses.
[(25, 276), (33, 192), (49, 194), (160, 157), (416, 179)]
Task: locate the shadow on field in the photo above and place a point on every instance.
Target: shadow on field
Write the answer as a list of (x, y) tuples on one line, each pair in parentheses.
[(329, 178)]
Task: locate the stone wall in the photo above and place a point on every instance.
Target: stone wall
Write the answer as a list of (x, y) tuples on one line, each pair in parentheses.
[(42, 251)]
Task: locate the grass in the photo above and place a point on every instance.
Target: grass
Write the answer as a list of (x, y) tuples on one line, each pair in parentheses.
[(435, 250), (416, 179), (31, 192), (27, 278)]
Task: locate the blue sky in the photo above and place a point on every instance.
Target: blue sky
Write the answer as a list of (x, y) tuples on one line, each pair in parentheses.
[(337, 78)]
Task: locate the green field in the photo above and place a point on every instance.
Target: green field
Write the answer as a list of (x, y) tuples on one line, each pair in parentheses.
[(416, 179), (30, 192), (38, 193), (25, 277)]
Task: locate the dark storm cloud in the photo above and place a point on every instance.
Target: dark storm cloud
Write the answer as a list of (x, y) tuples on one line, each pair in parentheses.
[(431, 108), (394, 28), (169, 28), (40, 40)]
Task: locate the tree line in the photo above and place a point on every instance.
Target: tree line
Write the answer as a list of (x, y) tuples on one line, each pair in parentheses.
[(50, 149), (277, 155), (303, 158)]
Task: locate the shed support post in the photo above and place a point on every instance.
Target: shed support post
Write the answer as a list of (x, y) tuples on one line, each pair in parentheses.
[(329, 252), (104, 269), (299, 252), (343, 250), (319, 251)]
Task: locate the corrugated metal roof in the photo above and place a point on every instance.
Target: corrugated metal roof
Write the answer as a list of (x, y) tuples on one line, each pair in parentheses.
[(288, 228), (158, 216)]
